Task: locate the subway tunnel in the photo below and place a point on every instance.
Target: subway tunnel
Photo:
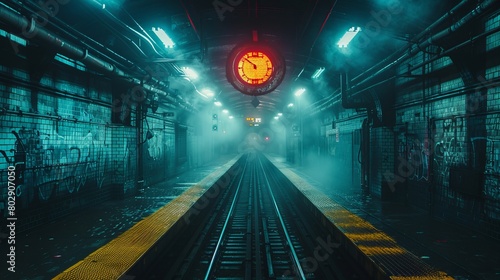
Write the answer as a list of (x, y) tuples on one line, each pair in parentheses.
[(250, 139)]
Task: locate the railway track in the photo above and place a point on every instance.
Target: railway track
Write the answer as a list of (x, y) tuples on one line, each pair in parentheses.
[(255, 232)]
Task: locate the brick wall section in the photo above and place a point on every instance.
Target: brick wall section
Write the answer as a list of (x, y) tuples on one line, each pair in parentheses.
[(433, 138), (124, 160), (381, 161), (62, 146), (159, 151)]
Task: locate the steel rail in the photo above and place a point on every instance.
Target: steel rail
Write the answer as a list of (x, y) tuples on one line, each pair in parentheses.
[(229, 215), (295, 258)]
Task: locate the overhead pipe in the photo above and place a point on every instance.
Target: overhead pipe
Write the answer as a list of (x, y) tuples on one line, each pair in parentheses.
[(330, 102), (125, 63), (415, 48), (32, 31), (344, 88), (326, 103), (417, 38), (140, 27), (190, 20), (316, 39), (130, 29), (56, 23)]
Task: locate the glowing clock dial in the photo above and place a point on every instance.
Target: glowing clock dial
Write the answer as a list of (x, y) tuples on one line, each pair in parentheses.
[(255, 68)]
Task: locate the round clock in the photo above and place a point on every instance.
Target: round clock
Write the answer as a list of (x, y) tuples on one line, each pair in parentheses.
[(255, 68)]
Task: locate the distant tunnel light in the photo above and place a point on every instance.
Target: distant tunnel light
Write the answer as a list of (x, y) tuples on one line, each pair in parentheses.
[(165, 39), (217, 103), (190, 73), (300, 91), (318, 73), (348, 36)]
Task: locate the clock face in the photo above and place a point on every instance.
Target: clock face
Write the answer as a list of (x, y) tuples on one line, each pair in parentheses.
[(255, 68)]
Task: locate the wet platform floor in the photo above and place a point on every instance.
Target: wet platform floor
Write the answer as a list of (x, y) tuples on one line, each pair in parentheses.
[(460, 252), (464, 254), (48, 250)]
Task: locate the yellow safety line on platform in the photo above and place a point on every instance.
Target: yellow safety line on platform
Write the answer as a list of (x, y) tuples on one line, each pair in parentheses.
[(371, 241), (114, 259)]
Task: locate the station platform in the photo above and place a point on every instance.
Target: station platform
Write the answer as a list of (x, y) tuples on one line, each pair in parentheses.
[(459, 253), (47, 251)]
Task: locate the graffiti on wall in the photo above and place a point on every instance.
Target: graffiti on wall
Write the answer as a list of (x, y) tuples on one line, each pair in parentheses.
[(492, 153), (54, 163), (414, 152), (156, 145), (491, 189), (450, 147)]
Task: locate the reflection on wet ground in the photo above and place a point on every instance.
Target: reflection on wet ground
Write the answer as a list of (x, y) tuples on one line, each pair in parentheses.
[(45, 252)]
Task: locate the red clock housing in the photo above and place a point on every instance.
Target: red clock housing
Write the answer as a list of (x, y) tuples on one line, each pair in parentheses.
[(255, 68)]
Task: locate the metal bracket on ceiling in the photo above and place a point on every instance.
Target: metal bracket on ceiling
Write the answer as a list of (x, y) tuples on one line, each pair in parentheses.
[(255, 102), (255, 36)]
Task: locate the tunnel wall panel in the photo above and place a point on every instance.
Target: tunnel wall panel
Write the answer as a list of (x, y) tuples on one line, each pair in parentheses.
[(68, 154), (443, 151), (448, 142)]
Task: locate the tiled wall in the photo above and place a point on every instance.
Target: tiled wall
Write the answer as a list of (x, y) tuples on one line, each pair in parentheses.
[(442, 136), (439, 133), (61, 145), (159, 154), (67, 150)]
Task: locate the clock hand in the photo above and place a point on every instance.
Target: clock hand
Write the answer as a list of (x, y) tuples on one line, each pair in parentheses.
[(254, 65)]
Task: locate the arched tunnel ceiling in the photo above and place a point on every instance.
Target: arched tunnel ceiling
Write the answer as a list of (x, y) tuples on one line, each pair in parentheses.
[(205, 31)]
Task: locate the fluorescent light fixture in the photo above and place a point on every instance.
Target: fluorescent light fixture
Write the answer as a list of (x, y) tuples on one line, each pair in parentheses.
[(15, 39), (231, 117), (280, 114), (300, 91), (207, 92), (290, 105), (225, 111), (318, 73), (217, 103), (103, 6), (190, 73), (276, 117), (348, 36), (167, 42)]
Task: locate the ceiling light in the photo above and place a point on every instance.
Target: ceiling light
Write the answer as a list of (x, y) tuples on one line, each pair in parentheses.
[(276, 117), (348, 36), (225, 111), (299, 92), (290, 105), (190, 73), (231, 117), (207, 92), (280, 114), (165, 39), (217, 103), (318, 73)]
